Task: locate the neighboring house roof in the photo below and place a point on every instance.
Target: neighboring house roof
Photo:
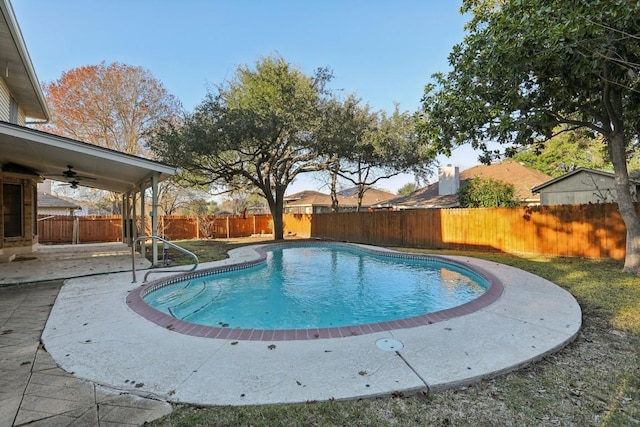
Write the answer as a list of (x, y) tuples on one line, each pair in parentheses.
[(371, 196), (522, 178), (426, 197), (346, 198), (576, 172), (46, 200), (302, 195), (17, 68)]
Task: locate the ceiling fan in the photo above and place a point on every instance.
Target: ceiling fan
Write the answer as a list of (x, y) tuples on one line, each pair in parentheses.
[(70, 176), (73, 184)]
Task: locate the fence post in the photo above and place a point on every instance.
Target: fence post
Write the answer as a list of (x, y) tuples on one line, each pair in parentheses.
[(75, 238)]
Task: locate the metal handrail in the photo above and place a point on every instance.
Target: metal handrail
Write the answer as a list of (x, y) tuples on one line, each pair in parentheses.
[(164, 242)]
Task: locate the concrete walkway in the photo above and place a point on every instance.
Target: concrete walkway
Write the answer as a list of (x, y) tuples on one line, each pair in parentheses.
[(34, 390)]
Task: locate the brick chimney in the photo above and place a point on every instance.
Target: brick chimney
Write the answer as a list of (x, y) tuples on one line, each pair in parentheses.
[(448, 180)]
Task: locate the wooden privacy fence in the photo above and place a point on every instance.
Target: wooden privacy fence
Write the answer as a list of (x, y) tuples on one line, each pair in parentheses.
[(210, 226), (62, 229), (93, 229), (591, 231)]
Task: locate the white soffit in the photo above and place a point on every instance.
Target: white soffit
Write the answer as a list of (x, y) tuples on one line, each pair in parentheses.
[(50, 155)]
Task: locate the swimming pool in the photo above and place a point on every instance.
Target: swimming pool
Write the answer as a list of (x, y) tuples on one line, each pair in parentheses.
[(318, 290)]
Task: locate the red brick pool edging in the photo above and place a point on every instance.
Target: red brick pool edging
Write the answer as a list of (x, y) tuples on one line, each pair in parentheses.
[(136, 303)]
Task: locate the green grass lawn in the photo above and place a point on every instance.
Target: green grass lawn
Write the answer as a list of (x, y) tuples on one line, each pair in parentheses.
[(594, 381)]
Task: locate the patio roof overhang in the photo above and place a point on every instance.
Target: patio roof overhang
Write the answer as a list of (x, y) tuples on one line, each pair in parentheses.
[(49, 155)]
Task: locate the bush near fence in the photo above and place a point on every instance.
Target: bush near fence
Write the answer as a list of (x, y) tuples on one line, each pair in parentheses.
[(590, 231)]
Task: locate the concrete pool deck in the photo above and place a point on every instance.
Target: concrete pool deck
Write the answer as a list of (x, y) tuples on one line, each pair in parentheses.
[(94, 334)]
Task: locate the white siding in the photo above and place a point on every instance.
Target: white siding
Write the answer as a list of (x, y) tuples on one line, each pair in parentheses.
[(5, 101), (5, 105), (581, 188), (22, 118)]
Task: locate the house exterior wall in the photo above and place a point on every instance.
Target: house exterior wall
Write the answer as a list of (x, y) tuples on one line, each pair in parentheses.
[(56, 211), (317, 209), (28, 240), (5, 105), (5, 101), (22, 117), (581, 188)]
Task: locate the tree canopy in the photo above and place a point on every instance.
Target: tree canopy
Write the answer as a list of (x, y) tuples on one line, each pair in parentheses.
[(362, 147), (407, 189), (111, 105), (256, 131), (566, 152), (526, 67), (271, 123)]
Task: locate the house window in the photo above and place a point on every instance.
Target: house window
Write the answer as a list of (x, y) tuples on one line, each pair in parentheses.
[(12, 209), (13, 111)]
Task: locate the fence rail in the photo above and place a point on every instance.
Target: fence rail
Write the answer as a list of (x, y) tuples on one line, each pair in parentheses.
[(591, 231)]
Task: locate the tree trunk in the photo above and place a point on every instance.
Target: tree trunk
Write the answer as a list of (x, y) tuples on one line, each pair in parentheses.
[(626, 205), (334, 191), (276, 213), (361, 189)]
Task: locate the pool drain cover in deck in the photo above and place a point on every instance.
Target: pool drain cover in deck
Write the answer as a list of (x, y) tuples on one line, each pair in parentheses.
[(387, 344)]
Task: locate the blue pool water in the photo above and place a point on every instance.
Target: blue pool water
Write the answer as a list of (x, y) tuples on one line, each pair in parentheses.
[(322, 286)]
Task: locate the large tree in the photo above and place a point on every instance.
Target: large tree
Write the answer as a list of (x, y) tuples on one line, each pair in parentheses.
[(526, 67), (381, 147), (257, 131), (363, 147), (111, 105)]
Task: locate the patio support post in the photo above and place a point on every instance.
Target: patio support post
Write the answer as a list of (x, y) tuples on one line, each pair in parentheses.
[(124, 218), (143, 220), (134, 217), (154, 217)]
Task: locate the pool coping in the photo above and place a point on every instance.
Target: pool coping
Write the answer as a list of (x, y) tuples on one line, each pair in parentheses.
[(135, 301)]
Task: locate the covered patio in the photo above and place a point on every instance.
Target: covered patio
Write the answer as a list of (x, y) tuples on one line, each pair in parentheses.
[(29, 155)]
